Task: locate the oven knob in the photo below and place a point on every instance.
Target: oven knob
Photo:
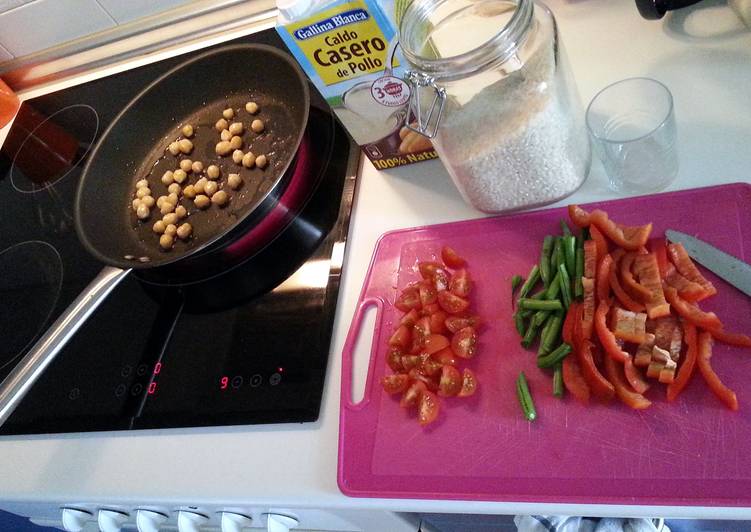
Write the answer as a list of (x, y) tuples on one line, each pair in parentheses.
[(111, 520), (74, 519), (190, 521), (280, 523), (149, 520), (232, 522)]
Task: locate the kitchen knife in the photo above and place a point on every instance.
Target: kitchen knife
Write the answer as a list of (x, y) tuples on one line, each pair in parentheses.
[(731, 269)]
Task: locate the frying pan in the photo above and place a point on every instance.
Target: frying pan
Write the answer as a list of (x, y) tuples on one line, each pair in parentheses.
[(134, 147)]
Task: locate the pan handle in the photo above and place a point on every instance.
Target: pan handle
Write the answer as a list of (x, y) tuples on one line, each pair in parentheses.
[(33, 364)]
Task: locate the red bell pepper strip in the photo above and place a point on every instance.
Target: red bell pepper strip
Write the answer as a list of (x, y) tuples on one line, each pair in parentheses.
[(567, 333), (643, 355), (587, 308), (629, 238), (603, 277), (660, 250), (615, 373), (607, 338), (634, 377), (628, 325), (649, 277), (688, 269), (574, 380), (601, 243), (689, 311), (738, 340), (688, 290), (723, 393), (590, 259), (598, 384), (686, 370), (629, 283), (625, 299)]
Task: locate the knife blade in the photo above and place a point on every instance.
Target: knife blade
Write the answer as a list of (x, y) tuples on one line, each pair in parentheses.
[(731, 269)]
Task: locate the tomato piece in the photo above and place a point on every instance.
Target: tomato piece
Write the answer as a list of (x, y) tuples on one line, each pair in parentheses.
[(445, 357), (396, 383), (451, 258), (430, 309), (598, 384), (607, 338), (601, 243), (738, 340), (688, 269), (723, 393), (428, 408), (450, 383), (435, 342), (420, 332), (441, 280), (456, 323), (411, 361), (603, 277), (689, 311), (645, 266), (430, 381), (573, 379), (428, 269), (469, 383), (410, 318), (452, 303), (460, 283), (394, 358), (623, 297), (634, 377), (630, 285), (463, 343), (588, 308), (590, 259), (402, 337), (438, 322), (429, 366), (428, 294), (615, 373), (413, 394), (409, 299)]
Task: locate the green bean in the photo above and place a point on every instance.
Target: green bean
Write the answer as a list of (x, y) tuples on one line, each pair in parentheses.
[(519, 323), (558, 380), (516, 280), (579, 270), (534, 304), (565, 283), (557, 355), (544, 348), (525, 398), (532, 278), (564, 228), (569, 253), (530, 334), (550, 335), (556, 255), (547, 248), (555, 287)]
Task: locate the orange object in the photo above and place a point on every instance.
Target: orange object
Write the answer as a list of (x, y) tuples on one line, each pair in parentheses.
[(723, 393), (606, 336), (647, 269), (9, 104), (688, 269), (615, 374), (687, 368)]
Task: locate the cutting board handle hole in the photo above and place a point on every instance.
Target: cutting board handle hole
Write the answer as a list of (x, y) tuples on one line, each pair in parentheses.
[(362, 352)]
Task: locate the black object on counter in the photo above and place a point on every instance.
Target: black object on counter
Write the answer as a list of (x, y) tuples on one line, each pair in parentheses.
[(656, 9)]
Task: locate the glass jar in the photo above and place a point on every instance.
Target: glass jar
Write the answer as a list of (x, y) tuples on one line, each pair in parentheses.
[(501, 106)]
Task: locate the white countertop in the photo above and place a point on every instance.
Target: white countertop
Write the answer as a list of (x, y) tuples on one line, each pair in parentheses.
[(702, 54)]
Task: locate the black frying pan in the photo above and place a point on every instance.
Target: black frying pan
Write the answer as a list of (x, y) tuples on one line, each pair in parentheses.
[(133, 148)]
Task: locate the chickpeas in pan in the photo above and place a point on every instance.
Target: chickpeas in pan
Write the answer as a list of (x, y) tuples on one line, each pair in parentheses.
[(210, 188), (261, 161), (184, 231), (168, 177), (167, 207), (166, 241), (174, 188), (249, 160), (236, 128), (198, 187), (223, 148), (257, 125), (221, 124), (251, 107), (236, 142), (237, 156), (136, 203), (143, 212), (172, 198), (148, 201), (181, 212), (159, 227), (197, 167), (220, 198), (142, 183), (179, 176), (202, 201), (170, 218), (225, 134), (189, 191), (213, 171), (185, 146), (160, 201), (174, 148), (228, 113), (171, 230), (187, 130), (234, 181), (186, 165)]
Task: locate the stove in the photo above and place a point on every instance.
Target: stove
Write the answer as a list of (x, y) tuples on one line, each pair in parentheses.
[(250, 345)]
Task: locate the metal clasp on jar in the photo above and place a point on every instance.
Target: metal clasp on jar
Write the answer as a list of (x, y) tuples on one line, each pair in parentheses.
[(427, 124)]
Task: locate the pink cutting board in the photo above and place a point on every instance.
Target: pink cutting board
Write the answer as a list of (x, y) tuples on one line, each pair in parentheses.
[(691, 452)]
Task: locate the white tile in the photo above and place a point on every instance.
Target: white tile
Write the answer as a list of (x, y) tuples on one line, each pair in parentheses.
[(6, 5), (126, 10), (5, 55), (44, 23)]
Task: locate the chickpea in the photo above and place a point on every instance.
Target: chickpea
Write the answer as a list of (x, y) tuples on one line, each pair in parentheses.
[(210, 188), (142, 183), (236, 128), (197, 167), (189, 192), (228, 113), (172, 198), (186, 146), (237, 156), (161, 200), (202, 201), (148, 201), (170, 218), (234, 181), (187, 130), (213, 171), (159, 227), (136, 203), (223, 148), (249, 160), (170, 230), (221, 125), (220, 198), (167, 207), (166, 241), (179, 176), (143, 191), (174, 188), (257, 125), (174, 148), (198, 187), (251, 107), (143, 212), (225, 134), (186, 165), (168, 177), (184, 231), (261, 161), (235, 142), (181, 212)]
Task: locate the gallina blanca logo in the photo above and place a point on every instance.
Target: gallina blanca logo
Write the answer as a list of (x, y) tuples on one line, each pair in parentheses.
[(337, 21)]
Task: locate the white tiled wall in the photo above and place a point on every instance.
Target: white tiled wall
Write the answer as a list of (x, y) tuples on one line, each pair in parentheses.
[(28, 26)]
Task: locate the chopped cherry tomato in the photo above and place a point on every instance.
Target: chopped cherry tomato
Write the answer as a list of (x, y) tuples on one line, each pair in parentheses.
[(435, 343), (689, 311), (634, 377), (624, 298), (460, 283), (402, 337), (438, 321), (588, 308), (429, 366), (451, 258), (688, 269), (409, 299), (603, 277), (456, 323), (574, 380), (431, 382), (441, 280), (451, 303), (420, 332), (598, 384), (396, 383), (590, 259), (623, 390), (723, 393), (738, 340), (645, 266), (463, 342), (431, 309), (601, 243), (450, 383), (607, 338), (411, 361), (410, 318), (428, 294), (428, 408), (469, 383), (445, 357), (428, 269), (394, 358), (413, 394), (630, 285)]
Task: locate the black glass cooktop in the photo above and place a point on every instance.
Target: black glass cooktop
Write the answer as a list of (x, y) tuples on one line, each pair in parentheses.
[(248, 346)]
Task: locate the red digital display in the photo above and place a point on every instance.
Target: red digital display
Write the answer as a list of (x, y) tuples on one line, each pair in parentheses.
[(280, 370), (152, 388), (224, 382), (157, 368)]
